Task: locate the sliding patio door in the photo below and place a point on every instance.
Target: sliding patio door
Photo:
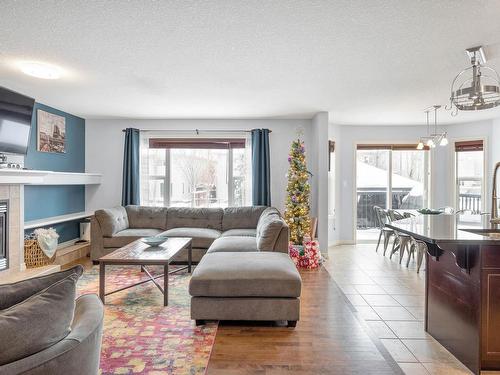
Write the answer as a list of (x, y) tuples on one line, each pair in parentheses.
[(372, 187), (388, 176)]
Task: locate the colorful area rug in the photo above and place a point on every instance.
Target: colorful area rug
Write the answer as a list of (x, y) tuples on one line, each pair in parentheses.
[(141, 336)]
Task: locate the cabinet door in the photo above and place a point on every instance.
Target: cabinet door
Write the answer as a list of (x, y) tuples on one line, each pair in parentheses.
[(453, 300), (490, 338)]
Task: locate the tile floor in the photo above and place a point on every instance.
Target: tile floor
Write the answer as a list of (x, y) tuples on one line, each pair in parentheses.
[(390, 298)]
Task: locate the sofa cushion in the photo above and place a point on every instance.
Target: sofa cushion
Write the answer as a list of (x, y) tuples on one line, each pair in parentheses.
[(127, 236), (247, 274), (239, 233), (269, 211), (112, 220), (11, 294), (39, 321), (268, 229), (186, 217), (147, 217), (241, 217), (202, 237), (233, 244)]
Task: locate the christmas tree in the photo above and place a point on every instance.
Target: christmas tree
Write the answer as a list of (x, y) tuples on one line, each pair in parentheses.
[(298, 190)]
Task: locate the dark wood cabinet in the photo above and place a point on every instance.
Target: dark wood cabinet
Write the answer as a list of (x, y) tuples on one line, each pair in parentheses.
[(463, 301)]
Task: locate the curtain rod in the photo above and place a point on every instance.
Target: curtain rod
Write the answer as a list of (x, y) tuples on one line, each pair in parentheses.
[(197, 131)]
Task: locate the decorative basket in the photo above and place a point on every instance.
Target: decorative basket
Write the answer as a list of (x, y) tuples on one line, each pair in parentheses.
[(34, 256)]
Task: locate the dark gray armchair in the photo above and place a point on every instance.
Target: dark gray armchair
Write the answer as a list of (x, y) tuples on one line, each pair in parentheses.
[(77, 354)]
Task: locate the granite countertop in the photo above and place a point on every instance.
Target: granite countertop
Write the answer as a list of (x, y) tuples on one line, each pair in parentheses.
[(449, 228)]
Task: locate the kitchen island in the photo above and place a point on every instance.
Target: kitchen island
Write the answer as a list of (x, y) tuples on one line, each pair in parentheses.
[(462, 285)]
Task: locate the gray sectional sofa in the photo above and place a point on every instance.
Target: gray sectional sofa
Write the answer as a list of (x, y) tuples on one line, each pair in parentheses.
[(246, 273), (232, 229), (259, 285)]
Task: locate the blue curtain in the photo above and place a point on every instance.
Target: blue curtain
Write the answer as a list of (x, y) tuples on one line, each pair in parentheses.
[(130, 185), (261, 174)]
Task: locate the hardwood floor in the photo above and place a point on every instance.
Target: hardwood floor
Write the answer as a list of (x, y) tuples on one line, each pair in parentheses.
[(328, 339)]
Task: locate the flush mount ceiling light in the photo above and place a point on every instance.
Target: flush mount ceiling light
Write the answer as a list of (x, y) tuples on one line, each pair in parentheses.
[(477, 87), (40, 70), (431, 140)]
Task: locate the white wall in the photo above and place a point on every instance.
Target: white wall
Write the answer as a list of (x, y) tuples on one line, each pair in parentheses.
[(346, 138), (494, 154), (333, 191), (104, 151), (319, 168)]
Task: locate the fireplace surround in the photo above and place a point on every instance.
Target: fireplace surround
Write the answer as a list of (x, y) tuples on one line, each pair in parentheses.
[(12, 231), (4, 240), (12, 266)]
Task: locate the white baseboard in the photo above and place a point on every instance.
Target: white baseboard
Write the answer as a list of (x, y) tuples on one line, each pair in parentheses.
[(343, 242)]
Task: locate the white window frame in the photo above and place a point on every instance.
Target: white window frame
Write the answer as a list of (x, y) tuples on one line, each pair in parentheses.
[(167, 181), (428, 165), (454, 170)]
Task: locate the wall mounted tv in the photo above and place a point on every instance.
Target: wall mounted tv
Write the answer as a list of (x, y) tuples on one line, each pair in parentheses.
[(15, 121)]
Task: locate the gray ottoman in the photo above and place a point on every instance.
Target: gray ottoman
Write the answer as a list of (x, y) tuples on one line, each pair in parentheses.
[(258, 285)]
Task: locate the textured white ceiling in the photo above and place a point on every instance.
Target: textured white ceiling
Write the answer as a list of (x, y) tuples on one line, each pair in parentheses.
[(366, 62)]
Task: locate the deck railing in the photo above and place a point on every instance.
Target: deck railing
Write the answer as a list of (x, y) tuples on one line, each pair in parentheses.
[(369, 197), (470, 202)]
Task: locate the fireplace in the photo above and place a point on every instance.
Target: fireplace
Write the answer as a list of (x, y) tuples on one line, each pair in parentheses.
[(4, 243)]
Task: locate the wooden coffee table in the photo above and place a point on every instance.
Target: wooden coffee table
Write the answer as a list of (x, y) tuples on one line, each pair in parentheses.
[(138, 253)]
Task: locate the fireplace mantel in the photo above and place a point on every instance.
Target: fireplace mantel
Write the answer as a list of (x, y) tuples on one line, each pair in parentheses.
[(35, 177)]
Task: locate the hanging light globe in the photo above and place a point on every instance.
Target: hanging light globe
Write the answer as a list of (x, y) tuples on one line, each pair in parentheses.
[(444, 140), (477, 87)]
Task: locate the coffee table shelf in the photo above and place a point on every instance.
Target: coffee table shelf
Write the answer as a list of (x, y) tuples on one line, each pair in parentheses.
[(141, 254)]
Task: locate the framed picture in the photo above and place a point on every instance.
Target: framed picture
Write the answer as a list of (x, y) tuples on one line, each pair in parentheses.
[(51, 135)]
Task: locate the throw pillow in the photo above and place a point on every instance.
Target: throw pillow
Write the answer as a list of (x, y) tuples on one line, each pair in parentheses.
[(11, 294), (38, 322)]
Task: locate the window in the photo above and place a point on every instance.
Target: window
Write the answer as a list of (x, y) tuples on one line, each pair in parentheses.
[(469, 175), (388, 176), (194, 172)]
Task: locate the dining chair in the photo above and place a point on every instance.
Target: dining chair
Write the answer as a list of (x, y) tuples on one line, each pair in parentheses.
[(421, 248), (402, 241), (381, 219)]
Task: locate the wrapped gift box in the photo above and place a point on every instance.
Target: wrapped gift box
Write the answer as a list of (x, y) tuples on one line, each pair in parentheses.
[(307, 256)]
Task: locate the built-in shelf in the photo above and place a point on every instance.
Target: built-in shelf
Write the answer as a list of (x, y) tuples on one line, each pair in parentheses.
[(56, 219), (33, 177), (67, 254), (71, 248)]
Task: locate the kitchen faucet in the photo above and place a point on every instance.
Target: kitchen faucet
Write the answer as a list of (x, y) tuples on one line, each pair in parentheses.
[(494, 198)]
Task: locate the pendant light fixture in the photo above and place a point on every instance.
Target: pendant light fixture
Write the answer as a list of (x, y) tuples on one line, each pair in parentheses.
[(431, 140), (477, 87)]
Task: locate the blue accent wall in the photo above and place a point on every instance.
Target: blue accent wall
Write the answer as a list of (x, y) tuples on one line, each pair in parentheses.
[(45, 201)]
